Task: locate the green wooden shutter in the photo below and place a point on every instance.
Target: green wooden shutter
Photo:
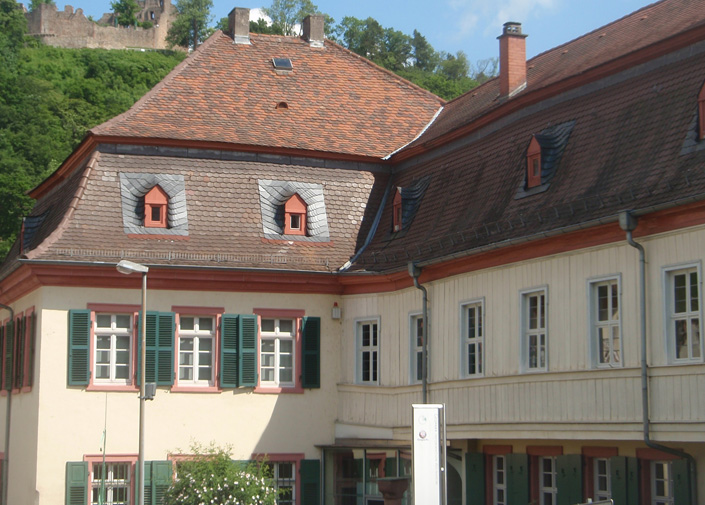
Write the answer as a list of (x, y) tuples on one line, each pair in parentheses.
[(310, 474), (517, 479), (160, 348), (161, 480), (390, 467), (77, 483), (681, 482), (79, 347), (32, 348), (2, 346), (9, 354), (19, 352), (248, 350), (632, 481), (475, 478), (569, 479), (148, 491), (229, 340), (311, 359), (618, 479)]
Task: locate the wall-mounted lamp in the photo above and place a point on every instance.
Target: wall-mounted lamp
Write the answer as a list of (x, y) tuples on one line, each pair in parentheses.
[(335, 313)]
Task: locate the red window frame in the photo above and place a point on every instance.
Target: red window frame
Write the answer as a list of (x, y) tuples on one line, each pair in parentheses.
[(295, 208), (155, 200)]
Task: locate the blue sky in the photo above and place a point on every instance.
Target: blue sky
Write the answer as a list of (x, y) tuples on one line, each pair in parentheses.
[(453, 25)]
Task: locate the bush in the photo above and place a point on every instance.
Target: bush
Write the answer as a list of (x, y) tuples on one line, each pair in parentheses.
[(146, 25), (211, 477)]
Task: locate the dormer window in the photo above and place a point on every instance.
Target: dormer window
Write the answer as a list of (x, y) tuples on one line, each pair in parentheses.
[(155, 208), (533, 164), (701, 113), (295, 216), (396, 216)]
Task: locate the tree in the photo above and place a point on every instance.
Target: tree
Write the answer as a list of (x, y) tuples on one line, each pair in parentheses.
[(425, 57), (190, 27), (34, 4), (212, 477), (289, 14), (455, 66), (126, 11)]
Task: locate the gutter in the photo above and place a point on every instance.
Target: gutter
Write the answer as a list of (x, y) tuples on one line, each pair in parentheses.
[(8, 418), (628, 222)]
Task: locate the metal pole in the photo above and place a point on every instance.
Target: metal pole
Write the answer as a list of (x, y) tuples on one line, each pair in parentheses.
[(143, 381), (8, 417)]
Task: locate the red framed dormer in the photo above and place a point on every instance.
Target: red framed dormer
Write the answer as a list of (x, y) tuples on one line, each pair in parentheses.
[(533, 164), (155, 208), (396, 211), (295, 216), (701, 113)]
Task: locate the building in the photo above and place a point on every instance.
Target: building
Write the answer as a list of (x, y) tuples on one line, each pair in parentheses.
[(277, 188)]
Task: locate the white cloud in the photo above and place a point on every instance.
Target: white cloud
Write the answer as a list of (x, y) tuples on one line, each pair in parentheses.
[(492, 14), (257, 14)]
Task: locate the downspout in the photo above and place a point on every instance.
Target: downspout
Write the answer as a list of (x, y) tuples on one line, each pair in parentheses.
[(415, 272), (628, 222), (6, 455)]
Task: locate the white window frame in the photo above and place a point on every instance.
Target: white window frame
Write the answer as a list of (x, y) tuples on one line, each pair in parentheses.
[(111, 484), (284, 482), (196, 335), (594, 325), (113, 333), (278, 337), (599, 493), (670, 316), (668, 498), (415, 349), (360, 350), (550, 490), (527, 333), (478, 340), (499, 479)]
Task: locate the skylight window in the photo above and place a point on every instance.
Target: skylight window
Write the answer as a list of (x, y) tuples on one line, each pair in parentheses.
[(282, 63)]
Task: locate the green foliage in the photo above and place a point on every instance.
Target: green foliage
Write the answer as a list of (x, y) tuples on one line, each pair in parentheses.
[(287, 14), (126, 11), (190, 27), (261, 26), (212, 477), (146, 25), (34, 4)]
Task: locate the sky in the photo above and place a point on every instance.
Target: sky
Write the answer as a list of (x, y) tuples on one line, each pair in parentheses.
[(453, 25)]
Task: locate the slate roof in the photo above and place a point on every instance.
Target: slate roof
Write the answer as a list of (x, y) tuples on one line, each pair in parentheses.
[(337, 101)]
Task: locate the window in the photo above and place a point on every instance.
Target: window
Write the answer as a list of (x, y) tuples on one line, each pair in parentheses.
[(601, 479), (196, 350), (473, 339), (295, 216), (499, 480), (533, 164), (113, 348), (534, 334), (368, 352), (661, 483), (547, 480), (155, 208), (396, 209), (605, 319), (683, 314), (416, 343), (277, 352), (112, 481), (284, 480)]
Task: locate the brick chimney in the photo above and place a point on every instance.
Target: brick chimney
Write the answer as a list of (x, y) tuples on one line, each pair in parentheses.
[(239, 25), (313, 30), (512, 60)]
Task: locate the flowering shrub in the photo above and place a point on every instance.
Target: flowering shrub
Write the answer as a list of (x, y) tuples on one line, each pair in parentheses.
[(212, 478)]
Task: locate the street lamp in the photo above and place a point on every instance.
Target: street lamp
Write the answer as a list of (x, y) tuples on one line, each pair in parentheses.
[(127, 268)]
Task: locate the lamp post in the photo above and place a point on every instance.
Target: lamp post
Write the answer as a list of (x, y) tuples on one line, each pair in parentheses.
[(127, 268)]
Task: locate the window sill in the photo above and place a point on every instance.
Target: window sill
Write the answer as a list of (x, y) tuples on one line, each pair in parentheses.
[(110, 387), (279, 390), (195, 389)]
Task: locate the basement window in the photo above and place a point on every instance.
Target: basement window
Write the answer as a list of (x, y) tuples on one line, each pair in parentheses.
[(282, 64), (155, 208), (295, 216)]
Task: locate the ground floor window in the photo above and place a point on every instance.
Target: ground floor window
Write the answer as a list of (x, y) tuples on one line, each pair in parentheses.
[(499, 480), (661, 483), (601, 471), (111, 483), (547, 480), (284, 480)]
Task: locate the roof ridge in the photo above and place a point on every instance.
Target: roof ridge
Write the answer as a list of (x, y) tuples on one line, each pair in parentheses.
[(386, 71), (176, 71)]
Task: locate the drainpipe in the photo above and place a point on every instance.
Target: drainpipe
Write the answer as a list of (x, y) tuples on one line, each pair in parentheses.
[(6, 456), (628, 222), (415, 272)]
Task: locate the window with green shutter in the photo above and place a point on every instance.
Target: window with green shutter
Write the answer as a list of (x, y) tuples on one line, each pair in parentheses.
[(9, 354), (77, 483), (310, 474), (79, 347), (474, 478), (248, 350), (229, 342), (159, 349), (517, 479), (311, 359), (18, 372), (157, 479), (681, 482), (569, 479)]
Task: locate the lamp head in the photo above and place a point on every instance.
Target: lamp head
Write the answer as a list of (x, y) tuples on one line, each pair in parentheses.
[(129, 267)]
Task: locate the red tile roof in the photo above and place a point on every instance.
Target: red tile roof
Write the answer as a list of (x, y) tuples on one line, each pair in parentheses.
[(337, 101)]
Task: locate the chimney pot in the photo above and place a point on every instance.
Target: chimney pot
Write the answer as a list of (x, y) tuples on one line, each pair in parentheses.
[(512, 60), (313, 30), (239, 25)]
